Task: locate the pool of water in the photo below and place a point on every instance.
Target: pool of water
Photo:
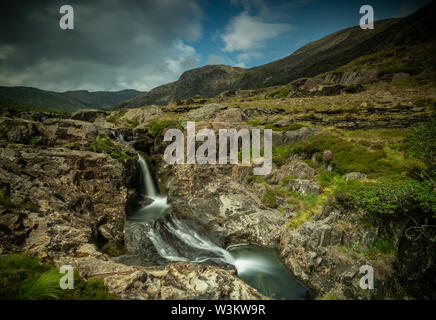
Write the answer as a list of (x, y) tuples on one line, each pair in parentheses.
[(263, 270)]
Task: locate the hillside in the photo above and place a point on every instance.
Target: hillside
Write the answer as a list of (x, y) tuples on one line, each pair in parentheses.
[(327, 54), (70, 101)]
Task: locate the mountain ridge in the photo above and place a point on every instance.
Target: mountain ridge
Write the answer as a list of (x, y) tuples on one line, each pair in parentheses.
[(68, 101), (323, 55)]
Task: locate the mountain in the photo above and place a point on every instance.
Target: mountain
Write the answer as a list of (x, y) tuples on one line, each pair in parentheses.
[(410, 39), (70, 101)]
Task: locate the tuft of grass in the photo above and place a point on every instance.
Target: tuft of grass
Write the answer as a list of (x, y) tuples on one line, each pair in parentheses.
[(269, 199), (24, 277)]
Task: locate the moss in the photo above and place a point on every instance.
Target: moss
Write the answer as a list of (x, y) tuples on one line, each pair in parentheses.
[(24, 277), (382, 246), (36, 140), (133, 123), (103, 144), (114, 248)]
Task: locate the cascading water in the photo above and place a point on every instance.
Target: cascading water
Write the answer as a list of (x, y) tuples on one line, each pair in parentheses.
[(176, 240), (157, 231)]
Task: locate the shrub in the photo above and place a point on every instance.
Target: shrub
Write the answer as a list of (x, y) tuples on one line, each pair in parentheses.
[(390, 198), (276, 94), (421, 144)]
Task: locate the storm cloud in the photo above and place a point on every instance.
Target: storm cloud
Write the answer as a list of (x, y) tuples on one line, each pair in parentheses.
[(115, 44)]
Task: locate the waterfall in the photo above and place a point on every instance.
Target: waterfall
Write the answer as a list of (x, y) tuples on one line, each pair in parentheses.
[(173, 238), (147, 180)]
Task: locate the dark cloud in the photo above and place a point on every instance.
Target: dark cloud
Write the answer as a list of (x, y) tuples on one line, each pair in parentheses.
[(116, 44)]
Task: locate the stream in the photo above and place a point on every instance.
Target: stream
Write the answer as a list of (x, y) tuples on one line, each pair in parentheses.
[(177, 240)]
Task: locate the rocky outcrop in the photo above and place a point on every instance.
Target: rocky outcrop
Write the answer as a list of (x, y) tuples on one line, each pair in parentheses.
[(61, 198), (223, 208), (176, 281)]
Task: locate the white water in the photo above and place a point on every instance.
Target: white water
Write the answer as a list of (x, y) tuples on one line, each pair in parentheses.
[(256, 266), (179, 229)]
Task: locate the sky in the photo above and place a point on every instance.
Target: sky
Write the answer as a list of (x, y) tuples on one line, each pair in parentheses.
[(127, 44)]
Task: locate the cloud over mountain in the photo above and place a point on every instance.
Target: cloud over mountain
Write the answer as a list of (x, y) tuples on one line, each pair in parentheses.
[(116, 44)]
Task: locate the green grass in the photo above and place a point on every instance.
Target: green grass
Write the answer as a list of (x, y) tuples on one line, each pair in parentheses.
[(24, 277), (103, 144), (157, 127), (307, 206), (348, 157)]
